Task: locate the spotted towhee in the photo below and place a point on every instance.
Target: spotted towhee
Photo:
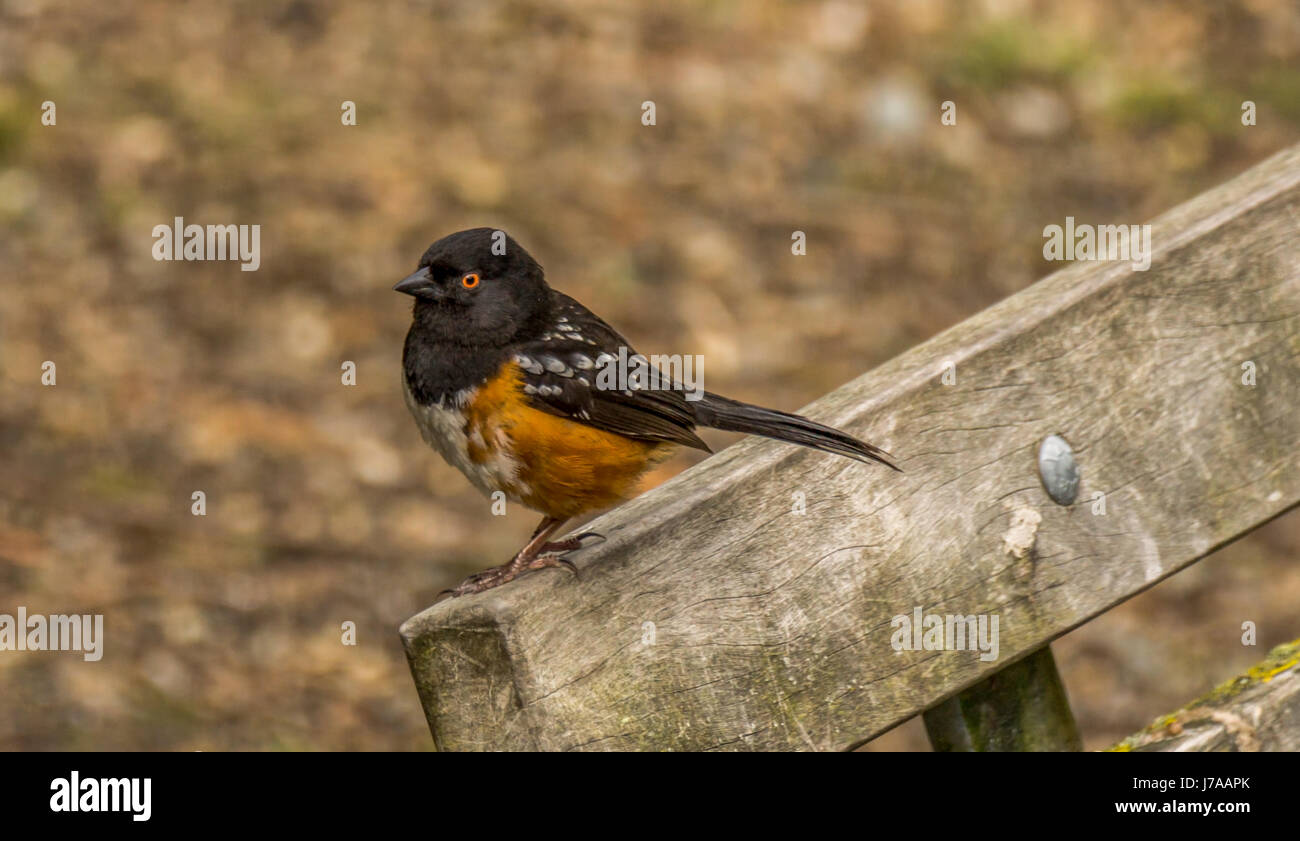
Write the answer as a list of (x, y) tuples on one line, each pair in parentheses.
[(501, 374)]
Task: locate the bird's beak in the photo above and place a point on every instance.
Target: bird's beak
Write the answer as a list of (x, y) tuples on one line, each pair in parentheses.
[(419, 285)]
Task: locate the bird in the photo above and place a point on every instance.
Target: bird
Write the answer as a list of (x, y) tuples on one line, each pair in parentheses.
[(499, 371)]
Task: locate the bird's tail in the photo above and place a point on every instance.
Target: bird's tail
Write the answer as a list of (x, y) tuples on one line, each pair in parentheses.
[(720, 412)]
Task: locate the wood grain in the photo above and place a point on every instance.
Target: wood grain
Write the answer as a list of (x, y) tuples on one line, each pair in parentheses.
[(717, 617)]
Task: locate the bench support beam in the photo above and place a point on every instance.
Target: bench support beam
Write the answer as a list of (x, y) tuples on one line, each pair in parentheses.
[(1021, 708)]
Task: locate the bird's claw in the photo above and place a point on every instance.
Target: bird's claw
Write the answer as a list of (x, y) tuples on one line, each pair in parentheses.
[(544, 561), (572, 544), (504, 574)]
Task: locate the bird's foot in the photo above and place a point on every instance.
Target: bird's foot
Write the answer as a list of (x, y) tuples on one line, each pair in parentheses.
[(578, 541), (504, 574)]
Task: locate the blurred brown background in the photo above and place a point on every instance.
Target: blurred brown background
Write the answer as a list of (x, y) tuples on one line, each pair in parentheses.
[(323, 504)]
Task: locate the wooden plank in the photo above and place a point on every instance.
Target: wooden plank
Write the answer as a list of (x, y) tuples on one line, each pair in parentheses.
[(1257, 711), (1021, 708), (718, 617)]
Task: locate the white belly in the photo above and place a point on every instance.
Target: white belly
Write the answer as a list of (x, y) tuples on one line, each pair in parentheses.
[(443, 428)]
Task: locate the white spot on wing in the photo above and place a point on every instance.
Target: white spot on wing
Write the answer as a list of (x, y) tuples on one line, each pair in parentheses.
[(529, 364)]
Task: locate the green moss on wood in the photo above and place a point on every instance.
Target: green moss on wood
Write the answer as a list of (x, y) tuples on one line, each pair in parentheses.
[(1283, 658)]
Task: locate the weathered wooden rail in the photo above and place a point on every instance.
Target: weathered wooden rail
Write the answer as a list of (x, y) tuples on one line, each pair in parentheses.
[(719, 616), (1259, 710)]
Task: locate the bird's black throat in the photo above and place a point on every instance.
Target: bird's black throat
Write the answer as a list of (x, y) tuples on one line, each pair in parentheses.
[(439, 360)]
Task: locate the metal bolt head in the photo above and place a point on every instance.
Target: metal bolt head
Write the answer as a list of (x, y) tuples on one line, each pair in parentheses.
[(1058, 470)]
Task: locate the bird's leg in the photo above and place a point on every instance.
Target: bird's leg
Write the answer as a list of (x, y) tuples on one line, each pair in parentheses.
[(536, 554), (578, 541), (587, 538)]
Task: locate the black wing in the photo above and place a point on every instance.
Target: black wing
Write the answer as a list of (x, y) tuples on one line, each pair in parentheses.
[(562, 376)]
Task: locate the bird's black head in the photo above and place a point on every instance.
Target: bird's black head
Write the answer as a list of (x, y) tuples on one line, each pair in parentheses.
[(477, 287)]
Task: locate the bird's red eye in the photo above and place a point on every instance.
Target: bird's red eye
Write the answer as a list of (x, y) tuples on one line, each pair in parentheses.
[(469, 281)]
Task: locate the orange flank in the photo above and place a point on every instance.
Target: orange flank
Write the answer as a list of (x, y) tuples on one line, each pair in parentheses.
[(566, 468)]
